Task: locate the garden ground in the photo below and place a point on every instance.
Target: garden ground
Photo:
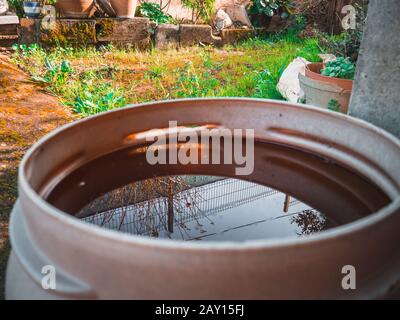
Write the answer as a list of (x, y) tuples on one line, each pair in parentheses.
[(26, 114), (64, 84), (92, 81)]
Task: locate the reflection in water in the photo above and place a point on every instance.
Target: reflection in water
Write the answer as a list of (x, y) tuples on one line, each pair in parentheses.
[(203, 208), (310, 221)]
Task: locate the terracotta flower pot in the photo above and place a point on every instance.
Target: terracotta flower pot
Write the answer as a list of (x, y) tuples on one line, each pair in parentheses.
[(74, 8), (323, 91), (313, 71), (124, 8)]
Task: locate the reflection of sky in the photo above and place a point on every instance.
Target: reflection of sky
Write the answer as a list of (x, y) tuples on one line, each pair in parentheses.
[(259, 219), (226, 209)]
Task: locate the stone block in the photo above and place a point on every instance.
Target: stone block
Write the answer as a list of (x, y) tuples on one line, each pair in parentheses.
[(133, 32), (7, 41), (167, 36), (9, 19), (74, 32), (236, 35), (9, 25), (191, 34), (8, 31), (238, 13)]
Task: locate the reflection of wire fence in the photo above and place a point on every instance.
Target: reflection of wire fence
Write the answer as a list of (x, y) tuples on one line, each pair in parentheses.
[(294, 202), (230, 193), (309, 220), (147, 217)]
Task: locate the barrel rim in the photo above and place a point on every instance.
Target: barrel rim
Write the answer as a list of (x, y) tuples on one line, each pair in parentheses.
[(27, 190)]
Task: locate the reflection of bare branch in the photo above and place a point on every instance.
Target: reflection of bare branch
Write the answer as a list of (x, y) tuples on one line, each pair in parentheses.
[(310, 221), (154, 202), (165, 6), (142, 207)]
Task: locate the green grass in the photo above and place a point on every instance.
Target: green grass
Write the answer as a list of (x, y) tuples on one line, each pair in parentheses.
[(92, 81)]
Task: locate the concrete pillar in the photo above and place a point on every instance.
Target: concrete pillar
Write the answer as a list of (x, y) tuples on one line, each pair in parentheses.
[(376, 95)]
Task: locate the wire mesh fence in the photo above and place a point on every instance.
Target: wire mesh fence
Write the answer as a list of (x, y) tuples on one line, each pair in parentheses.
[(151, 216)]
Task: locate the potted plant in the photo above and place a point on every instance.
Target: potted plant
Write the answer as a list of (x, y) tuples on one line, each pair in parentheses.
[(124, 8), (75, 8), (329, 85), (33, 8), (339, 71)]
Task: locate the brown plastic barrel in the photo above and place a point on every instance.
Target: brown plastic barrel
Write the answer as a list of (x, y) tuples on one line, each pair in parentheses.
[(94, 263)]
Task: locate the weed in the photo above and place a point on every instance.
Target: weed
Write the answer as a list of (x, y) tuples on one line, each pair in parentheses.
[(192, 83), (155, 72), (56, 75), (154, 13), (334, 105), (91, 100), (91, 80)]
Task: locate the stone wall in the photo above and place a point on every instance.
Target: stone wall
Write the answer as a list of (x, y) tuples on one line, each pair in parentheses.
[(8, 30), (136, 32)]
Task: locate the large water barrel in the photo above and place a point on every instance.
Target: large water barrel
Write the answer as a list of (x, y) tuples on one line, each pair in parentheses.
[(330, 161)]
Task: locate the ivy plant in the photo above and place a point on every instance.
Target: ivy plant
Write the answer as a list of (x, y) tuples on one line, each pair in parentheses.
[(201, 9), (339, 68), (154, 13), (271, 7)]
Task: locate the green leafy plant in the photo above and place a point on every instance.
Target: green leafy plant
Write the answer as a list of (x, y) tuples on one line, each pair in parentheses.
[(299, 23), (194, 83), (334, 105), (154, 72), (201, 9), (272, 7), (18, 5), (57, 74), (96, 99), (27, 50), (154, 13), (339, 68), (265, 83), (92, 80)]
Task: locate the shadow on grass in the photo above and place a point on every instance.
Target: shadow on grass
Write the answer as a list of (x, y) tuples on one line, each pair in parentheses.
[(4, 253), (8, 195)]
